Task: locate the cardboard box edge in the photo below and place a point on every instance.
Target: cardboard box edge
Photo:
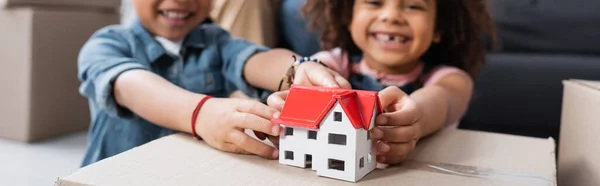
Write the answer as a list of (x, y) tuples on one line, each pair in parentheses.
[(581, 82), (551, 173), (554, 160), (67, 179), (65, 182)]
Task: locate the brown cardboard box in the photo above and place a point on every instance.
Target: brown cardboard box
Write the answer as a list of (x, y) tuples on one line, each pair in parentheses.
[(95, 4), (451, 157), (579, 149), (38, 71), (253, 20)]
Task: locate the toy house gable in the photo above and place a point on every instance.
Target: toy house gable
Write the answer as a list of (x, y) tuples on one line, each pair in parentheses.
[(337, 147)]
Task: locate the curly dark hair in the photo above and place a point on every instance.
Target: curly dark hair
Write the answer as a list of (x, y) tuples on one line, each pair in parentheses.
[(464, 26)]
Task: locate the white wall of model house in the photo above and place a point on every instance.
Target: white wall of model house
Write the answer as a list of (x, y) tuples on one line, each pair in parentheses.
[(294, 148), (366, 150)]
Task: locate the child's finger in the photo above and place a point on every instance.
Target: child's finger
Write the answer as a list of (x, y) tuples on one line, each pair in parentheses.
[(256, 123), (407, 115), (397, 118), (251, 145), (318, 77), (256, 108), (342, 82), (391, 160), (390, 96), (277, 100), (260, 135), (401, 134), (274, 140), (395, 149), (230, 147)]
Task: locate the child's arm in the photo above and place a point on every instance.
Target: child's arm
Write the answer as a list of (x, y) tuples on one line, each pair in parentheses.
[(219, 121), (271, 65), (420, 114), (252, 68), (445, 102), (122, 85), (266, 69), (155, 99)]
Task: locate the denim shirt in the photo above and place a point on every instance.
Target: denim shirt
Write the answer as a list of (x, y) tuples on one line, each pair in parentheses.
[(211, 62)]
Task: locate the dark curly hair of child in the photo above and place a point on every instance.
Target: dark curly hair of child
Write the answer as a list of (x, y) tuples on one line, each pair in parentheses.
[(464, 26)]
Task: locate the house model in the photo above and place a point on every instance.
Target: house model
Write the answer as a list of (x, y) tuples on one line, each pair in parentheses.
[(328, 130)]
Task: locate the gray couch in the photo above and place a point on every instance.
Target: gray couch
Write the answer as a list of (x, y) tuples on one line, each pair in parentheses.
[(544, 42)]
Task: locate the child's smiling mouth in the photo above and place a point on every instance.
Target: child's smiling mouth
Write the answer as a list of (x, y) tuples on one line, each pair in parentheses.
[(392, 41), (176, 17)]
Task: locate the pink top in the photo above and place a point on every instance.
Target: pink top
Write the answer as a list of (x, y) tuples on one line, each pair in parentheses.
[(339, 63)]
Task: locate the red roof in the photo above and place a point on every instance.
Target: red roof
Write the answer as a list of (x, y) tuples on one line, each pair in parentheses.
[(306, 106)]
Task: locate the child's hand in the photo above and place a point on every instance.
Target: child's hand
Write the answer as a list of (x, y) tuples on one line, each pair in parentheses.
[(277, 99), (221, 123), (315, 74), (399, 129), (263, 136), (311, 74)]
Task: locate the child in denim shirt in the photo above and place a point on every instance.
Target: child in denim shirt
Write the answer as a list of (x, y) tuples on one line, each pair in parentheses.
[(147, 80)]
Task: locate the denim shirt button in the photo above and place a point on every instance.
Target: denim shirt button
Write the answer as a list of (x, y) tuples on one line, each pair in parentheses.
[(208, 79)]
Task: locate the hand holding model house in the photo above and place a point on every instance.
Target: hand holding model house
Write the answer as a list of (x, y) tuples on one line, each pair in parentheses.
[(330, 129)]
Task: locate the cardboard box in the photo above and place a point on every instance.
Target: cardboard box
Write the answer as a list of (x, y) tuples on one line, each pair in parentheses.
[(451, 157), (38, 71), (90, 4), (578, 160)]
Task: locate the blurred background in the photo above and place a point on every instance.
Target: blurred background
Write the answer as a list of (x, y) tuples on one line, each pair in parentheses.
[(43, 119)]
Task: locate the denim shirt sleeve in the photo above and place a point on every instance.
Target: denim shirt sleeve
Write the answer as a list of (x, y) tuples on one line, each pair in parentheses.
[(104, 57), (235, 53)]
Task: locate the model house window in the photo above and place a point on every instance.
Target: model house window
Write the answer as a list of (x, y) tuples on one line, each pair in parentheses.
[(289, 131), (369, 158), (335, 164), (361, 163), (312, 134), (289, 155), (337, 116), (368, 134), (338, 139)]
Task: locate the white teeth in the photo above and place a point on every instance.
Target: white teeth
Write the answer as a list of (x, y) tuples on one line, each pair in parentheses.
[(390, 38), (175, 15)]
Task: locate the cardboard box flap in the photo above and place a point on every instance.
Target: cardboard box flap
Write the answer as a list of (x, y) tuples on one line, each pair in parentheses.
[(590, 84), (494, 154), (578, 157), (181, 160)]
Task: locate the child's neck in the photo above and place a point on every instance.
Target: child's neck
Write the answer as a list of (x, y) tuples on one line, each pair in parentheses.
[(396, 69)]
